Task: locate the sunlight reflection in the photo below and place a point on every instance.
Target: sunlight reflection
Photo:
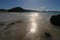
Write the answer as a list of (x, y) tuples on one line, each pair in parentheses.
[(34, 14), (33, 28), (33, 24)]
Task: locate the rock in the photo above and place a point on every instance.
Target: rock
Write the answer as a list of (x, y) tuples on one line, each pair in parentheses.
[(55, 19)]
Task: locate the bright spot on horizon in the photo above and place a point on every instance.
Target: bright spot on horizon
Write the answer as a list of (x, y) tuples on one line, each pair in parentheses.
[(34, 14)]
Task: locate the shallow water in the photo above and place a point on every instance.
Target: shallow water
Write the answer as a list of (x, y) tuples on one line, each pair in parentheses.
[(27, 26)]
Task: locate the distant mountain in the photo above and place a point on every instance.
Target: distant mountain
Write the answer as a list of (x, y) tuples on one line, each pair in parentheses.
[(3, 10), (19, 9), (16, 9)]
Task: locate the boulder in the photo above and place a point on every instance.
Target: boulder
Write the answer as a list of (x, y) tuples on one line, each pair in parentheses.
[(55, 19)]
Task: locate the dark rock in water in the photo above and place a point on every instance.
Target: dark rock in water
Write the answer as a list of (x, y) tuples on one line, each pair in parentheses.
[(55, 19)]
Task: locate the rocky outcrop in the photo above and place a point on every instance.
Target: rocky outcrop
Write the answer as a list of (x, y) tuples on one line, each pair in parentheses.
[(55, 19)]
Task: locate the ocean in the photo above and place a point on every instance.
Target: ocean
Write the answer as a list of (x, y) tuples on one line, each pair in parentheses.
[(28, 26)]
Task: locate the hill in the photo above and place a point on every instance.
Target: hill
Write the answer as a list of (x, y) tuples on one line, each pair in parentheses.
[(17, 9)]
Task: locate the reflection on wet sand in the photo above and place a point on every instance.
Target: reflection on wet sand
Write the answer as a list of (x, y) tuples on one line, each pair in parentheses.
[(33, 22), (28, 26), (32, 26)]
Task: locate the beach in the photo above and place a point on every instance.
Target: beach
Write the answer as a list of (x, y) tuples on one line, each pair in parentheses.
[(27, 26)]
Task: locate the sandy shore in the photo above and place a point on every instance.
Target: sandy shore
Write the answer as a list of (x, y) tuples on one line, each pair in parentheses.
[(33, 26)]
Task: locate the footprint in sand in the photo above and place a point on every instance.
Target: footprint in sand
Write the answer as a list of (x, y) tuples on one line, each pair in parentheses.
[(9, 25), (20, 21), (2, 24), (46, 36)]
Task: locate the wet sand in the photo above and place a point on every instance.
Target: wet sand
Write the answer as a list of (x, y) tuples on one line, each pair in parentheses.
[(27, 26)]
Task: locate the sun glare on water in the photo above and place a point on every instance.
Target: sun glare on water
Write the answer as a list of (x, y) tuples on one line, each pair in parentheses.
[(33, 24)]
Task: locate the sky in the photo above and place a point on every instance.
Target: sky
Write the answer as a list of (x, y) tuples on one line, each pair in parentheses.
[(41, 5)]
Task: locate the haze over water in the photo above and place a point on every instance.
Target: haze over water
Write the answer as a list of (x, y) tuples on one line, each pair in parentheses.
[(27, 26)]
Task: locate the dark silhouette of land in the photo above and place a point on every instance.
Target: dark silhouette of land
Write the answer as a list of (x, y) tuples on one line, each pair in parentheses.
[(20, 9), (17, 9), (3, 10)]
